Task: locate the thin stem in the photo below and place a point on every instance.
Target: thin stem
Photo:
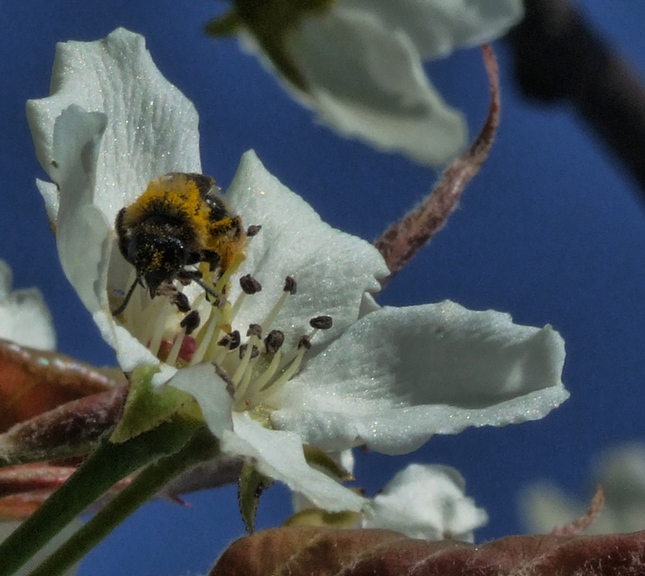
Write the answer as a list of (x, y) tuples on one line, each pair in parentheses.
[(202, 446), (102, 470)]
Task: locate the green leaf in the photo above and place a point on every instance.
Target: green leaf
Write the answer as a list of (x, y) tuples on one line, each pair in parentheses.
[(252, 484)]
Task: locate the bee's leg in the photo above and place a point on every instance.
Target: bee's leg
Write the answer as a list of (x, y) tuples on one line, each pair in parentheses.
[(213, 260)]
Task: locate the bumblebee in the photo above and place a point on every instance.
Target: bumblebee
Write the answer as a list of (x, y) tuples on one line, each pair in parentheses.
[(179, 221)]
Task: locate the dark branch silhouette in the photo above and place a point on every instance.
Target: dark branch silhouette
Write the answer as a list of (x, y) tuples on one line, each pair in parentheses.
[(559, 58)]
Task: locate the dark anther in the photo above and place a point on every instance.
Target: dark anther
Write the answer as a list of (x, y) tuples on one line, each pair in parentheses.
[(178, 298), (231, 340), (304, 342), (273, 341), (181, 301), (321, 322), (253, 230), (190, 322), (254, 351), (254, 330), (290, 285), (249, 284)]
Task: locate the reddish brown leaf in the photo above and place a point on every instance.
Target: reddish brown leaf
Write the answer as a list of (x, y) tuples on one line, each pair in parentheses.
[(401, 241), (308, 551), (33, 382), (71, 429), (24, 488)]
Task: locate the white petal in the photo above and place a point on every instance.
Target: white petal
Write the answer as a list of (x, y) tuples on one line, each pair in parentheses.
[(344, 458), (398, 376), (427, 502), (368, 82), (151, 127), (333, 269), (279, 455), (82, 232), (24, 316), (437, 27), (209, 389)]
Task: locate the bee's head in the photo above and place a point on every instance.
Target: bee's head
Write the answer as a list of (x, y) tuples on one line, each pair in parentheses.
[(157, 259)]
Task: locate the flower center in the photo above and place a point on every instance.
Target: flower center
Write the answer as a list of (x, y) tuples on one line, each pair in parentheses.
[(256, 364)]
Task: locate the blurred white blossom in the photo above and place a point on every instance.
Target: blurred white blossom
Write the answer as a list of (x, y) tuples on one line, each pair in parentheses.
[(620, 471), (359, 63), (24, 316)]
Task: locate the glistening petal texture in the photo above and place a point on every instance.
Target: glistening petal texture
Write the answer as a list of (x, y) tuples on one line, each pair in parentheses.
[(398, 376), (368, 82), (279, 455), (427, 502), (151, 127), (333, 269), (437, 27), (24, 316)]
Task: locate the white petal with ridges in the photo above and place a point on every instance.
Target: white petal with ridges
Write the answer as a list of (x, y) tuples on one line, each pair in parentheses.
[(152, 126), (333, 269), (398, 376)]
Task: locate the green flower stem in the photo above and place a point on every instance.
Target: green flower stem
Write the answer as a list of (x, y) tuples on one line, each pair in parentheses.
[(109, 464), (202, 446)]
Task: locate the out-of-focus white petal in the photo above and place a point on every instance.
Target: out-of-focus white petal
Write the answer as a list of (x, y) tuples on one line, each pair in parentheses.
[(398, 376), (368, 82), (437, 27), (333, 269), (427, 502), (279, 455), (24, 316)]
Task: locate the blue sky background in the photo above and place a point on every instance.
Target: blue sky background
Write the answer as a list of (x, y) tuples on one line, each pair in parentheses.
[(551, 231)]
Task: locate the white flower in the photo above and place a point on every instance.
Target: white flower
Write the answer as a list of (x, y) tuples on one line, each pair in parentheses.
[(24, 316), (621, 473), (424, 501), (358, 63), (427, 502), (385, 377)]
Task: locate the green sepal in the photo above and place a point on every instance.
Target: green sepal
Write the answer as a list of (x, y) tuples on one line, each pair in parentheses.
[(147, 407), (317, 457), (251, 486), (322, 518), (223, 26)]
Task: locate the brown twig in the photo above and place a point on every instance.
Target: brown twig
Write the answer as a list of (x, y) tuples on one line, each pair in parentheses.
[(401, 241), (559, 58), (578, 526)]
